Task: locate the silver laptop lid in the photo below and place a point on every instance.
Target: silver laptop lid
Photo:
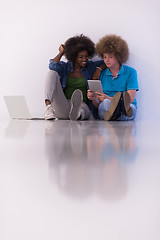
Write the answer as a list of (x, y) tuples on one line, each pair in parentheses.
[(17, 107)]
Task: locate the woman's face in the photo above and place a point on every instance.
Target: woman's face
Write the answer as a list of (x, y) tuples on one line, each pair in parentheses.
[(82, 58), (110, 60)]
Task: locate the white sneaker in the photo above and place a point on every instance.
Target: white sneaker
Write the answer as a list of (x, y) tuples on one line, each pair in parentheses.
[(49, 114), (76, 101)]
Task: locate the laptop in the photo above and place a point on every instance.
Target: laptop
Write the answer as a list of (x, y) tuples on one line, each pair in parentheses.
[(18, 108)]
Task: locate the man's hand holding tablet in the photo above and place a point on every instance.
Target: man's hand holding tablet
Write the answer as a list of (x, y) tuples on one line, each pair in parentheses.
[(95, 91), (95, 86)]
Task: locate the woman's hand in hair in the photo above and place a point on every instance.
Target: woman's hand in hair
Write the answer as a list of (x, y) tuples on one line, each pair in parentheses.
[(60, 54), (61, 48)]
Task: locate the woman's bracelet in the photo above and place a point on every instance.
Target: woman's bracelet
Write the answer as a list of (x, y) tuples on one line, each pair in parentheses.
[(99, 68)]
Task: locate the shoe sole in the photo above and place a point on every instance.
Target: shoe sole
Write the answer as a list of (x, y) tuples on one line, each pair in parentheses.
[(114, 102), (127, 101), (50, 118), (76, 101)]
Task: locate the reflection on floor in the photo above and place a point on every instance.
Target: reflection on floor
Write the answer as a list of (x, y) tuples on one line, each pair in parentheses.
[(90, 180)]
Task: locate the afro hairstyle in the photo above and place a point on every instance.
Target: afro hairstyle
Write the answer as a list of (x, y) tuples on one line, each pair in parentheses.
[(115, 45), (76, 44)]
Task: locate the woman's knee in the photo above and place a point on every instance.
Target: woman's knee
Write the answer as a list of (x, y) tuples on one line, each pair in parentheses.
[(52, 75), (52, 79)]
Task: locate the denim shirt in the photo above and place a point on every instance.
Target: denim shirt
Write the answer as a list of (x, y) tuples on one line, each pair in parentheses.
[(64, 68)]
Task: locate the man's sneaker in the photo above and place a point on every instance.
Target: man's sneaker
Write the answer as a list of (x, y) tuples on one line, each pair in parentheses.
[(76, 101), (114, 111), (49, 114), (126, 109)]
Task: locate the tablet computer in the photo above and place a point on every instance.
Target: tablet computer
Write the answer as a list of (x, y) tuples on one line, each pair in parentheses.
[(95, 86)]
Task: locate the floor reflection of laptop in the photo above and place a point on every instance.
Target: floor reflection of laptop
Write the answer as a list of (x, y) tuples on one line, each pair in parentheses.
[(18, 108)]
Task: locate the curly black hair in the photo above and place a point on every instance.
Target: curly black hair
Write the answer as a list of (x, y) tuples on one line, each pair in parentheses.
[(115, 45), (76, 44)]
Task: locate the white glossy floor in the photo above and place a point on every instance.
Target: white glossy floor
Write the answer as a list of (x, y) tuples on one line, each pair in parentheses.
[(91, 180)]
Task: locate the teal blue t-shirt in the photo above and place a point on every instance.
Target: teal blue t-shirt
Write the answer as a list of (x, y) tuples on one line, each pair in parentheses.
[(124, 81)]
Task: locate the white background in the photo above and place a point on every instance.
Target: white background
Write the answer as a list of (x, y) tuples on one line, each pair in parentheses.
[(32, 30)]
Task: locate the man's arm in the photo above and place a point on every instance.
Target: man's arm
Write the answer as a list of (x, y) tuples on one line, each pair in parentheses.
[(132, 94)]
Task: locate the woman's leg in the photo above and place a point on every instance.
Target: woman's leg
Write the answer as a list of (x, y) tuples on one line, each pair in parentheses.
[(54, 94), (79, 109), (84, 111)]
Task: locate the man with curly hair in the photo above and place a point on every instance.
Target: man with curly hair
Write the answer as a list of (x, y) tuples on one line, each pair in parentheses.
[(66, 83), (119, 82)]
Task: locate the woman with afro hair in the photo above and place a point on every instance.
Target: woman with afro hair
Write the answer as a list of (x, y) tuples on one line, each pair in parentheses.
[(119, 82), (66, 83)]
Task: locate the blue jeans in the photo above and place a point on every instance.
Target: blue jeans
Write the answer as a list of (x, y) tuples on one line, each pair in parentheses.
[(104, 106)]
